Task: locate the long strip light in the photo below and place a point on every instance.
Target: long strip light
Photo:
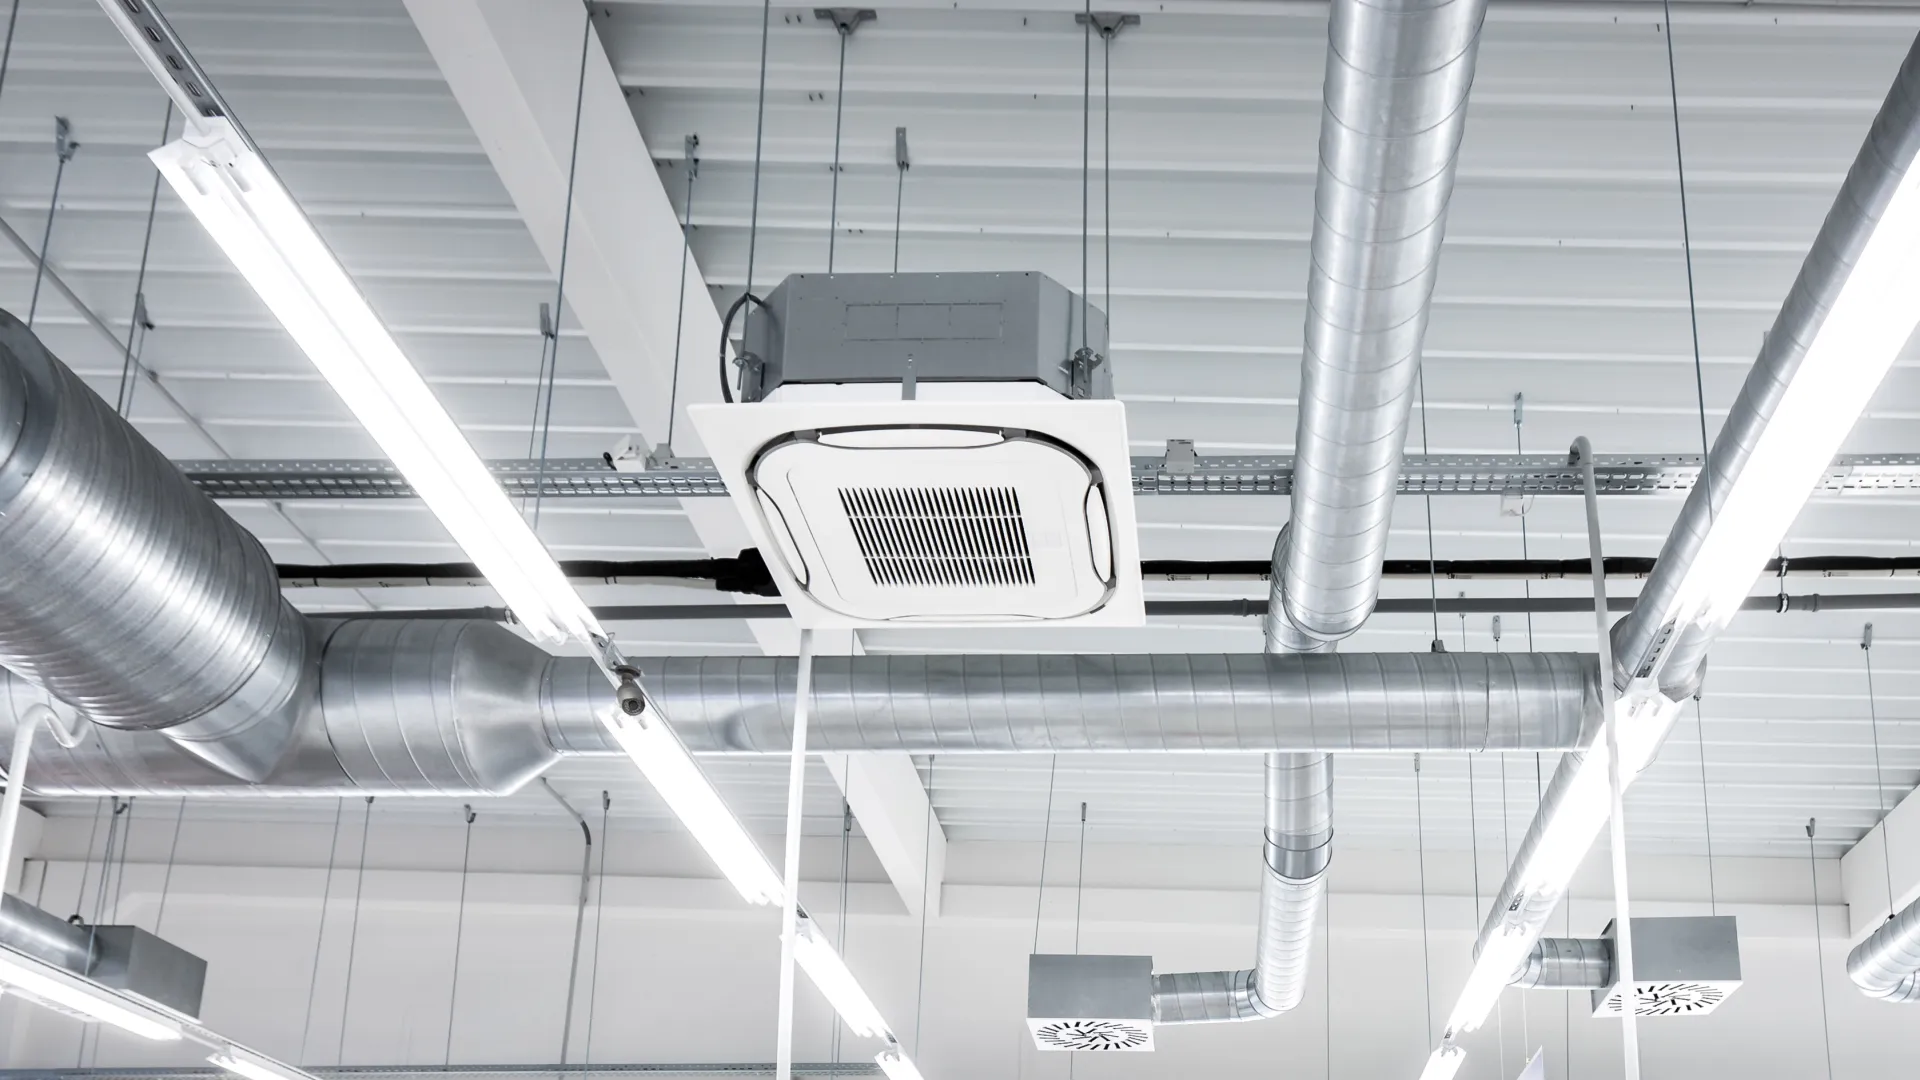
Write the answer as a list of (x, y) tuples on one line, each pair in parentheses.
[(667, 765), (1444, 1063), (250, 1065), (830, 973), (894, 1062), (62, 989), (235, 195)]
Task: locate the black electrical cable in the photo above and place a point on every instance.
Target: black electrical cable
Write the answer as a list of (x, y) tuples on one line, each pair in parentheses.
[(726, 331)]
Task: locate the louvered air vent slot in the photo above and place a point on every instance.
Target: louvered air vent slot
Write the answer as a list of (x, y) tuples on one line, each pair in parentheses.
[(950, 536), (1094, 1035), (1670, 999)]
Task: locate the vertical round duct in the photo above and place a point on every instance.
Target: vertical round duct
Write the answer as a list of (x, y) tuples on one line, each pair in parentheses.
[(126, 592)]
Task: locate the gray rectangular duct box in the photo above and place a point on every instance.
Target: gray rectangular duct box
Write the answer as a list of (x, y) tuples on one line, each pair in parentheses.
[(138, 963), (978, 327), (1101, 1003), (1683, 966)]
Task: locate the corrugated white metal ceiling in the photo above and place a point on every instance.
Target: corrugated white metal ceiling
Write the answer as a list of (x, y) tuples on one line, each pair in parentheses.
[(1563, 279)]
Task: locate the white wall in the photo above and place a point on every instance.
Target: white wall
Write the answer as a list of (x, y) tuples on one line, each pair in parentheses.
[(687, 974)]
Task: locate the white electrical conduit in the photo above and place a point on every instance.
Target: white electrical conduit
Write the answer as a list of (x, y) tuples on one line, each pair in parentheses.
[(789, 903), (23, 733), (1582, 455)]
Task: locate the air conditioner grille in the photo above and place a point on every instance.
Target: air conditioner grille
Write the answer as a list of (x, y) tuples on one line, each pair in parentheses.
[(1670, 998), (940, 536), (1093, 1035)]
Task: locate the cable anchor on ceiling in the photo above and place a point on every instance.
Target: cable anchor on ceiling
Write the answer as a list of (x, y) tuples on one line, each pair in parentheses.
[(845, 19), (1107, 24)]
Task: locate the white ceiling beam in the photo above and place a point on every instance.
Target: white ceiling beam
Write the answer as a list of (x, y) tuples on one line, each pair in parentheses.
[(514, 67), (891, 804), (1866, 877)]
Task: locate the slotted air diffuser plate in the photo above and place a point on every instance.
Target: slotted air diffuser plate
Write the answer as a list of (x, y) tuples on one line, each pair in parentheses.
[(1669, 999), (973, 505), (1095, 1035)]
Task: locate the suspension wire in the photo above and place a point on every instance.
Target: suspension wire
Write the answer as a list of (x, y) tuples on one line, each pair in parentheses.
[(686, 258), (166, 882), (926, 882), (1433, 565), (1326, 978), (1819, 948), (1106, 185), (902, 163), (353, 934), (1426, 944), (753, 214), (1879, 782), (138, 322), (1086, 163), (599, 918), (6, 51), (846, 848), (550, 350), (459, 930), (63, 148), (839, 106), (1079, 894), (1040, 893), (320, 938), (1519, 447), (1686, 247), (90, 1035), (1706, 810), (86, 865)]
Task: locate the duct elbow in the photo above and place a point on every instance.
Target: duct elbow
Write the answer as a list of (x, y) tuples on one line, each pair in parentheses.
[(1887, 965)]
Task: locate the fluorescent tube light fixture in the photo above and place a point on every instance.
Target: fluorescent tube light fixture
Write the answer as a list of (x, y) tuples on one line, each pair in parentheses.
[(830, 973), (896, 1064), (1444, 1063), (62, 989), (235, 195), (667, 765), (243, 1062)]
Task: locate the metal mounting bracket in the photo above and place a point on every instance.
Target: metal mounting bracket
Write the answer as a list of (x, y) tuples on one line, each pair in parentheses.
[(1107, 24), (845, 19)]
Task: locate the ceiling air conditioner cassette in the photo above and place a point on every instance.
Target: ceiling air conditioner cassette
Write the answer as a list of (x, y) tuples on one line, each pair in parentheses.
[(932, 449)]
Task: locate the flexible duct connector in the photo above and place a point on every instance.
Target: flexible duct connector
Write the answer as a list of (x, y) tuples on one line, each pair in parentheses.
[(1398, 73), (1885, 159), (126, 592), (1567, 964), (465, 708), (1887, 965)]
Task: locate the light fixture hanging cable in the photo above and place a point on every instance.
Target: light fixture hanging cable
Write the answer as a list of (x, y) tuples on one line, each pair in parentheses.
[(550, 349), (1433, 564), (166, 880), (459, 932), (753, 211), (64, 145), (840, 946), (137, 323), (680, 307), (1686, 248), (1426, 943)]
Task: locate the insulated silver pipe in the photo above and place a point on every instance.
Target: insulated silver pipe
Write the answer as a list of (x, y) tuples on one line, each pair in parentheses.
[(1398, 73), (126, 592), (468, 709), (1567, 964), (1887, 965)]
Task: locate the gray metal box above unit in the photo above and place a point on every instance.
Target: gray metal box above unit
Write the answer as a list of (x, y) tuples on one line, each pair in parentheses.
[(978, 327), (137, 962), (1090, 1002)]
